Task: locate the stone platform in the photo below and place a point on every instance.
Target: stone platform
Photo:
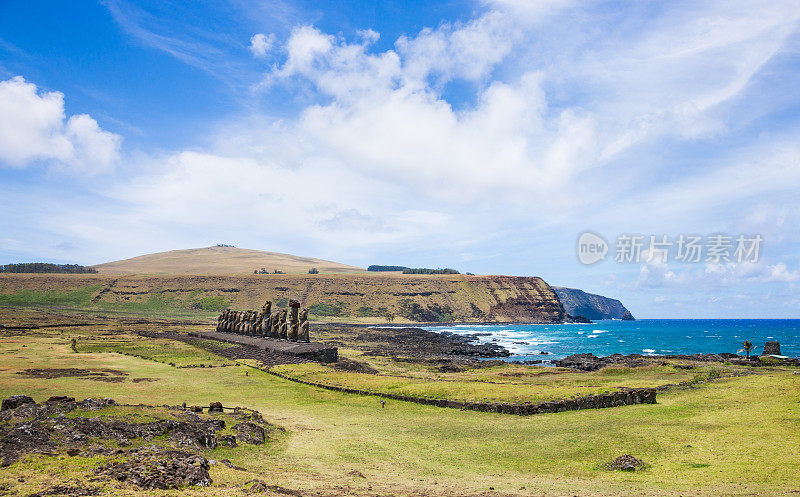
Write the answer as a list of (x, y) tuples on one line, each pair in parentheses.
[(314, 351)]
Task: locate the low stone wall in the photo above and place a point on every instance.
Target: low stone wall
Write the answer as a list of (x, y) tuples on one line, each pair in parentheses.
[(622, 397)]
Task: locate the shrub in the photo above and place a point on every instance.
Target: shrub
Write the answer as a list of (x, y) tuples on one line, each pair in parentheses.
[(46, 267)]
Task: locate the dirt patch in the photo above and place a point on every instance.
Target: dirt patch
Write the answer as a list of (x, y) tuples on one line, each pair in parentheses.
[(144, 380), (105, 374)]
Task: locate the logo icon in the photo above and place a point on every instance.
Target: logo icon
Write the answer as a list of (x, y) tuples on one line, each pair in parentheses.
[(591, 248)]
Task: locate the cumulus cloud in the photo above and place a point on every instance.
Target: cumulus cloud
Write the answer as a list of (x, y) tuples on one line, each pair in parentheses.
[(555, 103), (33, 126), (261, 44), (659, 274)]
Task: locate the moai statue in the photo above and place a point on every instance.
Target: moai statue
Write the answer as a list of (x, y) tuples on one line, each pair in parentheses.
[(294, 322), (248, 323), (274, 323), (240, 322), (303, 336), (220, 320), (266, 317), (283, 330), (229, 321), (257, 325)]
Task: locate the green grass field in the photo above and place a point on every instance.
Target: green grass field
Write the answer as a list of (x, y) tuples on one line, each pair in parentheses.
[(508, 383), (733, 436)]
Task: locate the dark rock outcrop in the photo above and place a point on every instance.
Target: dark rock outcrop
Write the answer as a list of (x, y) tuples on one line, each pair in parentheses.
[(625, 462), (772, 348), (160, 469), (15, 401)]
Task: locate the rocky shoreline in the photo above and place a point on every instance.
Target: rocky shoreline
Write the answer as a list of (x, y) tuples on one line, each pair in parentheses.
[(590, 362)]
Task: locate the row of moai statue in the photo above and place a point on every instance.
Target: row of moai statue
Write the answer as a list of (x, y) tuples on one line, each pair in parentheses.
[(291, 324)]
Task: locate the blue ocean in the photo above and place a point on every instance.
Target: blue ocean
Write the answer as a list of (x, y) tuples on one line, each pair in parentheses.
[(645, 336)]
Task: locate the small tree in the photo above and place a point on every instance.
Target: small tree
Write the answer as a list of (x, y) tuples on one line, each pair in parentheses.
[(313, 270), (747, 346)]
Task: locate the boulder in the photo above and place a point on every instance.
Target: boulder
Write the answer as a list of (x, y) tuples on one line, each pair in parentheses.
[(15, 401), (625, 462), (215, 407), (249, 433), (772, 348), (61, 398), (583, 362)]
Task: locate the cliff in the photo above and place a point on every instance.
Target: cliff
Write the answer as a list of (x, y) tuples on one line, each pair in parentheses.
[(589, 305), (363, 298)]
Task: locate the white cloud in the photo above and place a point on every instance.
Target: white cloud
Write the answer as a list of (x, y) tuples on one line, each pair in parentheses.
[(33, 126), (388, 115), (779, 272), (261, 44), (659, 274)]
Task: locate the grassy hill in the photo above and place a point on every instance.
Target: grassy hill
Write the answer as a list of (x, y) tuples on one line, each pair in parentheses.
[(220, 260)]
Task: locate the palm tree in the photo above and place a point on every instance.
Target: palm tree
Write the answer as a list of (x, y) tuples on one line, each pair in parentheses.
[(747, 346)]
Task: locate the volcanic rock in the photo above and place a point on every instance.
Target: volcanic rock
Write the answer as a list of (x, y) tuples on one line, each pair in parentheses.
[(15, 401)]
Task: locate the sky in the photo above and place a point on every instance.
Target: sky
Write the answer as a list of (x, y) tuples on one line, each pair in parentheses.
[(485, 135)]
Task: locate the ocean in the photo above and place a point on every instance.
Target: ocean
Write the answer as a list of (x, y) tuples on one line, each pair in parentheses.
[(645, 336)]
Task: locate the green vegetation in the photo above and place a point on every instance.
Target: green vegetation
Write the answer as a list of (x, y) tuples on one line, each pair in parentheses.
[(379, 268), (747, 346), (265, 271), (505, 383), (697, 441), (170, 352), (212, 303), (409, 270), (46, 267), (78, 297), (425, 270), (325, 309)]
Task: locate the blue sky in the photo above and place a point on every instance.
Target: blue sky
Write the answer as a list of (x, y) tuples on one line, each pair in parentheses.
[(482, 135)]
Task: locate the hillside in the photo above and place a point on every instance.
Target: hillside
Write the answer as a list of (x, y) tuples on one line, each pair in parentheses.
[(330, 297), (589, 305), (220, 260)]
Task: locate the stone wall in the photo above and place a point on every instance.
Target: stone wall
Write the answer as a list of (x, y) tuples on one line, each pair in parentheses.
[(622, 397)]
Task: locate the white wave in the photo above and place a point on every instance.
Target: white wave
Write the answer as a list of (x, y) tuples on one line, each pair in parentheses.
[(649, 351), (591, 336), (599, 331)]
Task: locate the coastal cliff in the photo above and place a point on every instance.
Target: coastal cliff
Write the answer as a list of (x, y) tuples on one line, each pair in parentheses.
[(589, 305), (330, 297)]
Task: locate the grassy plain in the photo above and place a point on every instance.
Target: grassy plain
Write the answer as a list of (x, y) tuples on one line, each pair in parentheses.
[(733, 436)]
